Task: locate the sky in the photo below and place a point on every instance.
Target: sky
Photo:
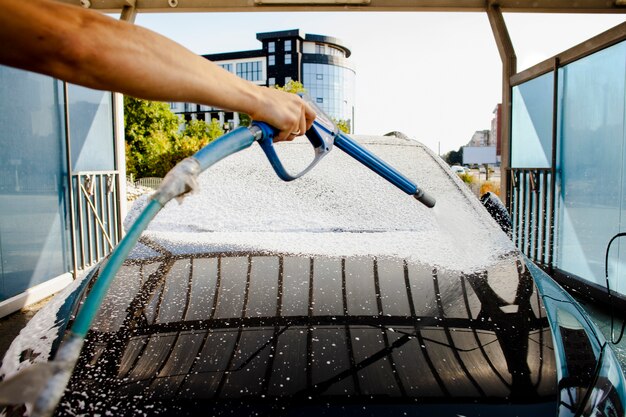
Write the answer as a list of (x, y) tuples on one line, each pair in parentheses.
[(434, 76)]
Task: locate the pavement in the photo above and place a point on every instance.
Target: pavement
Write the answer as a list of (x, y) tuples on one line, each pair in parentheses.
[(11, 325)]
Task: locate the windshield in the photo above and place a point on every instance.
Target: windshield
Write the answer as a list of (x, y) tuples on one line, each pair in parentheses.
[(339, 209), (252, 331)]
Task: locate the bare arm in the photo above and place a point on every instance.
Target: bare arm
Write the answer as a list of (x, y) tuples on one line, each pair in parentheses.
[(88, 48)]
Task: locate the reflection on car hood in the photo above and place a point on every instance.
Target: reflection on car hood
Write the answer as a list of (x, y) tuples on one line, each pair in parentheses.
[(260, 333)]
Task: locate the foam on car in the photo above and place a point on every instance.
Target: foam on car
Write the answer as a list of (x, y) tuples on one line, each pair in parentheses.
[(339, 209)]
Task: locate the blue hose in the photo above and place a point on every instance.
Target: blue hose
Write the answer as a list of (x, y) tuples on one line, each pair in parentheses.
[(233, 142), (215, 151), (90, 307), (176, 183)]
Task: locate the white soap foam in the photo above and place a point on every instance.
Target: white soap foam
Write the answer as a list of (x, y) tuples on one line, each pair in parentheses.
[(341, 208)]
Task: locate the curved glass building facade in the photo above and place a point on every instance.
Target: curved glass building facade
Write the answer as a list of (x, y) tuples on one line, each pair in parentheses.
[(332, 88), (319, 62)]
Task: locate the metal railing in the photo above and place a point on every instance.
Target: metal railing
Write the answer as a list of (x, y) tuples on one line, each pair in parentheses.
[(532, 213), (149, 182), (97, 227)]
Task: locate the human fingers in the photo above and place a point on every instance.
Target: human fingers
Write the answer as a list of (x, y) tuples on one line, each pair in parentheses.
[(309, 115), (296, 121)]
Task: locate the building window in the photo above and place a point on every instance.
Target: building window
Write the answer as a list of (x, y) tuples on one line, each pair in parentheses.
[(271, 47), (332, 88), (288, 45), (271, 81), (271, 60), (320, 48), (334, 51), (287, 79), (287, 58), (250, 71), (227, 67)]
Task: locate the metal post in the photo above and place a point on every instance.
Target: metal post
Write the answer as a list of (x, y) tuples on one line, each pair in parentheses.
[(509, 68), (70, 182), (129, 12), (555, 108), (544, 219)]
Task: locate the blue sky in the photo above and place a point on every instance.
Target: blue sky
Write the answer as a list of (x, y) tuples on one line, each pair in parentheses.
[(434, 76)]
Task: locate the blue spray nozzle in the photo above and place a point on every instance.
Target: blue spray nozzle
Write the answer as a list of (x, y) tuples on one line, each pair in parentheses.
[(266, 134), (323, 135)]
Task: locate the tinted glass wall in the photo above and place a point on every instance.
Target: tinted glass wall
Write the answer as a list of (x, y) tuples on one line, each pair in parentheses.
[(91, 129), (592, 195), (531, 124), (33, 227), (35, 244), (591, 156)]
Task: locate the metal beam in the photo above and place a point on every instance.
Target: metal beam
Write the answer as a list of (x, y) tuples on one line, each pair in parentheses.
[(128, 14), (129, 11), (523, 6), (603, 40), (509, 68)]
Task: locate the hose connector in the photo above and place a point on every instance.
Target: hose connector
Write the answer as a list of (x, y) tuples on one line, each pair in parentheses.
[(424, 198), (179, 181)]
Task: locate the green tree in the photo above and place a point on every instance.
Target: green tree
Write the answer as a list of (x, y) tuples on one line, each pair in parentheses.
[(142, 118), (244, 120), (195, 135), (292, 86), (454, 157), (343, 125), (150, 129), (154, 142)]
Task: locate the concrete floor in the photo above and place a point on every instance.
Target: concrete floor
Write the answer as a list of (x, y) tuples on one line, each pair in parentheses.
[(11, 325)]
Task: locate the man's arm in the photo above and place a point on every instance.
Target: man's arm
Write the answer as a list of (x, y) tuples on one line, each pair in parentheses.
[(87, 48)]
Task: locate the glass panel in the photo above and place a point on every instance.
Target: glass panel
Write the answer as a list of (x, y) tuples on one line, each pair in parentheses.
[(360, 287), (91, 129), (263, 288), (592, 161), (531, 123), (333, 88), (327, 288), (33, 240), (295, 291)]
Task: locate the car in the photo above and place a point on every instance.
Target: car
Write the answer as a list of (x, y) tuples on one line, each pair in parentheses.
[(335, 294), (458, 169)]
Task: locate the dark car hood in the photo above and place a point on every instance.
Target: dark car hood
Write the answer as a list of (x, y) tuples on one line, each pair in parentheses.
[(245, 334)]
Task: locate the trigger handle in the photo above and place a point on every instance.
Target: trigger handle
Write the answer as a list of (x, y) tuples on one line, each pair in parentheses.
[(265, 136)]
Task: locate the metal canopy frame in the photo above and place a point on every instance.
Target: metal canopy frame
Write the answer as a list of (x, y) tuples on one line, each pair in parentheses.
[(493, 8), (524, 6)]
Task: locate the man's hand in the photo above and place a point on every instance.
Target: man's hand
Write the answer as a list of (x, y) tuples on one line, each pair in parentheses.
[(286, 112)]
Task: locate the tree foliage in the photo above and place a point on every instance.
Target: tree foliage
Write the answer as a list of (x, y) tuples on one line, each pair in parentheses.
[(155, 141), (454, 157), (292, 86), (343, 125)]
